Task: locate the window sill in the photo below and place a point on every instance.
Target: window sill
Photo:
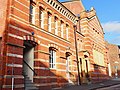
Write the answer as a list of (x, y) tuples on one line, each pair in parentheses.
[(47, 32), (52, 68)]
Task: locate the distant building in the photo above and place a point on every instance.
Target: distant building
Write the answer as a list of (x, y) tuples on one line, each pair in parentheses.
[(114, 59), (38, 48)]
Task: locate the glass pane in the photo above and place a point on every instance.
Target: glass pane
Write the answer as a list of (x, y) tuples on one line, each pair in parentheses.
[(31, 9)]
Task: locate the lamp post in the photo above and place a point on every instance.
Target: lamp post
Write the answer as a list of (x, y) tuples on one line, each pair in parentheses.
[(79, 79)]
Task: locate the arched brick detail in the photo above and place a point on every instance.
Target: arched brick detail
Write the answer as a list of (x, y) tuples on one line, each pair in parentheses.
[(41, 5), (68, 52), (31, 39), (53, 46), (56, 16), (49, 10)]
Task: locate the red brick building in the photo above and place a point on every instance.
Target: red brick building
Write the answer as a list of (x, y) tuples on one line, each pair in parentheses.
[(114, 59), (37, 45), (96, 63)]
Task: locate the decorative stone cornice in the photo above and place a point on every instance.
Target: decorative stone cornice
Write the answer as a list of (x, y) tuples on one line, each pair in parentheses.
[(61, 9), (88, 14)]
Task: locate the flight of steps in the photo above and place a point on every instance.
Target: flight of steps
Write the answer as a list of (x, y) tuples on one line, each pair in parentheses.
[(29, 85)]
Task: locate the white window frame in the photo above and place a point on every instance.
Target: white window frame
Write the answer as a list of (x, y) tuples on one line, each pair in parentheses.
[(67, 63), (67, 32), (62, 29), (41, 18), (32, 13), (52, 61), (49, 22), (56, 26)]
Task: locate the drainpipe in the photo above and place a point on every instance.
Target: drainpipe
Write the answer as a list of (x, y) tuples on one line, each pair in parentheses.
[(79, 24), (79, 79)]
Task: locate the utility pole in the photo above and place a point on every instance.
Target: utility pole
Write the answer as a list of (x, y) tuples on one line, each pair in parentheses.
[(79, 79)]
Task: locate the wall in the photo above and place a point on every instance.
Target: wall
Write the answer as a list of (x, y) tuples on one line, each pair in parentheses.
[(91, 28), (20, 30), (3, 13), (71, 5), (114, 59)]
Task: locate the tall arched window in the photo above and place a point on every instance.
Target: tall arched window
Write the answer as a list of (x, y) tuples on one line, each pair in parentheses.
[(52, 57), (41, 17), (62, 29), (49, 22), (32, 12), (68, 65), (56, 26), (67, 31)]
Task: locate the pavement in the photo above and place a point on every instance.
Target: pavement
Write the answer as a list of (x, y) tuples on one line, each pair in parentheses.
[(94, 86)]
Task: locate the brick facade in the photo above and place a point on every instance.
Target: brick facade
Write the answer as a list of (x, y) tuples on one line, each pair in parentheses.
[(24, 39), (114, 59), (19, 31), (94, 42)]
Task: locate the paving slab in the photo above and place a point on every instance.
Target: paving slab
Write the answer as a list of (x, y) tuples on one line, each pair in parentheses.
[(94, 86)]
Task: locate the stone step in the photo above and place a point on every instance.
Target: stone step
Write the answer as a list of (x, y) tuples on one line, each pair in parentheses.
[(29, 85), (28, 81), (31, 88)]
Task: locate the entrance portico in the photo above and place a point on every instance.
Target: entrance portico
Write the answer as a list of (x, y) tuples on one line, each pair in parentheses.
[(28, 56), (84, 66)]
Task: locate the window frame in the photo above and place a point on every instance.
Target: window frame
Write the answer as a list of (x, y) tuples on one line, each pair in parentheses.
[(62, 29), (52, 58), (67, 63), (67, 31), (41, 17), (32, 12), (56, 25), (49, 22)]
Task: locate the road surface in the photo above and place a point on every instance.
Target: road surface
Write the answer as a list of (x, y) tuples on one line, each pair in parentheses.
[(114, 87)]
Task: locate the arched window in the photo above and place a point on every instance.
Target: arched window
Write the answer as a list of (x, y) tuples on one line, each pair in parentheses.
[(41, 17), (32, 12), (52, 57), (68, 54), (62, 29), (56, 25), (49, 21), (67, 31)]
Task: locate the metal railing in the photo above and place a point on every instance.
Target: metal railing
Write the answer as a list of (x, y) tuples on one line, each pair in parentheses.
[(30, 67)]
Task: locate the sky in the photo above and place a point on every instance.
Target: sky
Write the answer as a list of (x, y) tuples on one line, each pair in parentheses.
[(108, 12)]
